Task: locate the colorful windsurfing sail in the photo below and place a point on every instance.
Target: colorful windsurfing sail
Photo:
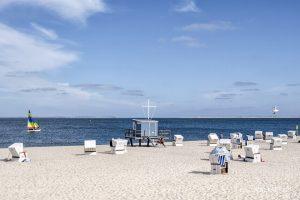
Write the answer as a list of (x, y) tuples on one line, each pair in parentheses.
[(32, 125)]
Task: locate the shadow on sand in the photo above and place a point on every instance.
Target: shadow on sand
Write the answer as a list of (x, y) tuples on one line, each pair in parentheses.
[(86, 154), (206, 159), (199, 172)]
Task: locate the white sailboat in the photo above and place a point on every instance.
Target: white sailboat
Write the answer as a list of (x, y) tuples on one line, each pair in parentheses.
[(275, 110)]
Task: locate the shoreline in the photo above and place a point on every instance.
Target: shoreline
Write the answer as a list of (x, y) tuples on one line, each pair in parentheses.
[(199, 117)]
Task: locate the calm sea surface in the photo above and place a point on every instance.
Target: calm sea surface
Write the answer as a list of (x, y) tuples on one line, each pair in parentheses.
[(64, 131)]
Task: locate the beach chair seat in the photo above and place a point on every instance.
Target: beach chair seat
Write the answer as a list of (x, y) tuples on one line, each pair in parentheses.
[(90, 147), (252, 153), (276, 143), (178, 140), (213, 139)]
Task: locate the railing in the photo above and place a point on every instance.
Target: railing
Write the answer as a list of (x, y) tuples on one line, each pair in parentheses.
[(130, 133), (164, 133)]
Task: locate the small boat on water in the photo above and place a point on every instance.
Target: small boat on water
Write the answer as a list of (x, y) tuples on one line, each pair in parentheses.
[(32, 125)]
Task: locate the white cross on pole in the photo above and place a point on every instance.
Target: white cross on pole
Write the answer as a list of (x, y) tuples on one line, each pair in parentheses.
[(148, 106)]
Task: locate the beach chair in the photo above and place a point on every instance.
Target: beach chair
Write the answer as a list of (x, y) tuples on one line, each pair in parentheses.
[(268, 136), (249, 139), (236, 140), (178, 140), (284, 138), (276, 143), (258, 135), (213, 139), (219, 159), (252, 153), (17, 151), (119, 146), (225, 143), (292, 135), (90, 147)]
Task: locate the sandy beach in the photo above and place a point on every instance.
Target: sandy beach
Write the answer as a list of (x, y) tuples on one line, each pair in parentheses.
[(149, 173)]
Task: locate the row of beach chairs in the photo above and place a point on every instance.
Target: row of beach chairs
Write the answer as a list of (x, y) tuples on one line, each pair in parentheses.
[(118, 146), (219, 163), (236, 139)]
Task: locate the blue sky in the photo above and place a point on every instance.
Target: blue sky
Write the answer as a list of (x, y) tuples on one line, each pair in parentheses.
[(192, 58)]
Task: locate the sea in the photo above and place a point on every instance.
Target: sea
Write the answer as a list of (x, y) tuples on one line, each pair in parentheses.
[(73, 131)]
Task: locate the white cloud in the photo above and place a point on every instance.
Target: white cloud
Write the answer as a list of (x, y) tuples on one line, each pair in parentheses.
[(22, 56), (187, 41), (25, 60), (187, 6), (210, 26), (48, 33), (23, 52), (74, 10)]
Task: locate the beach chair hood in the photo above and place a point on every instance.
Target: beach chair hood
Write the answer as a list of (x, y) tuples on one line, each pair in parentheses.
[(222, 151)]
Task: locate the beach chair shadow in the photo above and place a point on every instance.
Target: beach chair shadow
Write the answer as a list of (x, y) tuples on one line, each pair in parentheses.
[(105, 152), (199, 172), (206, 159), (5, 160), (80, 154), (238, 160)]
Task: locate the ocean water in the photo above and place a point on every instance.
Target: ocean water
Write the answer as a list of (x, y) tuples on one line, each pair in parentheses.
[(70, 131)]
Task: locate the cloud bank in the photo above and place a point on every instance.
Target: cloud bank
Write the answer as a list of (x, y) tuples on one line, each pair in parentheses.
[(72, 10)]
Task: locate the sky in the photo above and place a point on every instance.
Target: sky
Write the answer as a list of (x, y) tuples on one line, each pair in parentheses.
[(191, 58)]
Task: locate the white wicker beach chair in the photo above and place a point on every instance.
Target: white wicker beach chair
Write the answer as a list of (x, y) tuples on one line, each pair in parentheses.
[(284, 138), (268, 136), (178, 140), (119, 146), (249, 139), (292, 135), (258, 135), (252, 153), (225, 143), (90, 147), (236, 140), (276, 143), (213, 139), (16, 149)]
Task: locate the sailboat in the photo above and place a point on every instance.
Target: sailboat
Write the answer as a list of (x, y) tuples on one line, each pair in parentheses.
[(32, 126)]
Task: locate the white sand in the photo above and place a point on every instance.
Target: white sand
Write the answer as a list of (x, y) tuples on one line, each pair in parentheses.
[(149, 173)]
